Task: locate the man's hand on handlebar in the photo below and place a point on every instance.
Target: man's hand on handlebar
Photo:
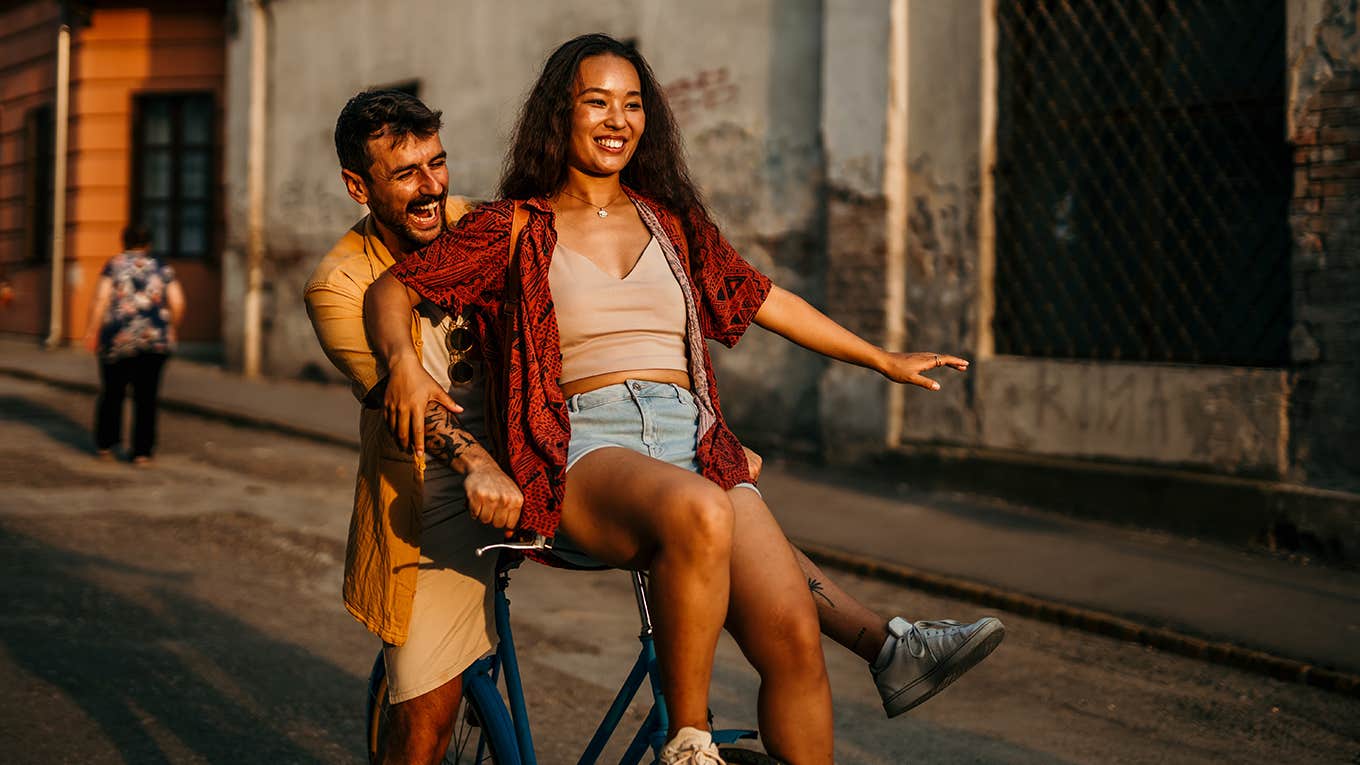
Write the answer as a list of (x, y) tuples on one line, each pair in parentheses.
[(493, 498)]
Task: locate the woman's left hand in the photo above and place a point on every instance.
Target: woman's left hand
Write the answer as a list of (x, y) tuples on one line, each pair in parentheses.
[(908, 367)]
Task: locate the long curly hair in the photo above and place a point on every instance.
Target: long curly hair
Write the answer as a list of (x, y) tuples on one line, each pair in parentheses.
[(536, 164)]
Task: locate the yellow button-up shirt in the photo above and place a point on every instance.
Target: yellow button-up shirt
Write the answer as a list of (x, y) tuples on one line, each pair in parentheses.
[(383, 551)]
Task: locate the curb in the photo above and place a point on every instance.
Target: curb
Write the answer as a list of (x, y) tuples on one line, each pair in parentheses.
[(1085, 619), (1088, 620)]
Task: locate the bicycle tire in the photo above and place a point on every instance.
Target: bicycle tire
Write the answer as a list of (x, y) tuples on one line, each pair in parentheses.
[(738, 756), (481, 723)]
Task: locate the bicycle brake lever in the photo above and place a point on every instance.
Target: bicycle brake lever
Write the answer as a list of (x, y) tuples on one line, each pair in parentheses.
[(539, 542)]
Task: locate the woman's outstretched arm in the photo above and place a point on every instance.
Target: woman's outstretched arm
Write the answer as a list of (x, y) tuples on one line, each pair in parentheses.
[(786, 314), (387, 317)]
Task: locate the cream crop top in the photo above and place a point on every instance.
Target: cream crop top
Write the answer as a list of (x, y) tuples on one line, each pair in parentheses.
[(609, 324)]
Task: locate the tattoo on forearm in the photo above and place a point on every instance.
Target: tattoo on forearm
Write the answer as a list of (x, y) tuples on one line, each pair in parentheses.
[(816, 588), (445, 438), (858, 637)]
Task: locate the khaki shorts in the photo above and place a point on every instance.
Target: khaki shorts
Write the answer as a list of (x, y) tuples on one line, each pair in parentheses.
[(451, 617)]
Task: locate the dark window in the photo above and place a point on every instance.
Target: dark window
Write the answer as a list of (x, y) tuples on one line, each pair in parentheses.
[(1143, 181), (38, 187), (175, 172)]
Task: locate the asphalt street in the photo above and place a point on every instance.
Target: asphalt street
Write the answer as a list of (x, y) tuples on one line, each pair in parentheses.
[(190, 612)]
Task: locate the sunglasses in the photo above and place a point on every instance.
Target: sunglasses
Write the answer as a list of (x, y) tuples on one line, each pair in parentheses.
[(459, 343)]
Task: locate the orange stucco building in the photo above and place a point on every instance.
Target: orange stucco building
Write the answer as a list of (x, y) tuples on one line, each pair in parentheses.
[(144, 144)]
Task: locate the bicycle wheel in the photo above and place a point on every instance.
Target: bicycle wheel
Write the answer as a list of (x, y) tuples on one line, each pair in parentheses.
[(482, 732), (738, 756)]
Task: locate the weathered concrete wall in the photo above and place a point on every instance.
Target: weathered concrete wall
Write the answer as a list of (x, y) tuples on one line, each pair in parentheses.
[(855, 94), (944, 138), (750, 113), (1218, 418), (1324, 111)]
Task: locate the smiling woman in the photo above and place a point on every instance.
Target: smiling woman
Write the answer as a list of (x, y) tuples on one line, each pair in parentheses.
[(613, 427)]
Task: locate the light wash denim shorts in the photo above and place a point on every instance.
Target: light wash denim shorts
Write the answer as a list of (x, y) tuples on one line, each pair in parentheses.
[(660, 420)]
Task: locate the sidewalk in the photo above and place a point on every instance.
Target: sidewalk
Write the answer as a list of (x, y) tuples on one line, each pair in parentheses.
[(1254, 611)]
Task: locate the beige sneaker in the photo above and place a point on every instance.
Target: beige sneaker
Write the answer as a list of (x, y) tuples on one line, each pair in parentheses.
[(691, 746)]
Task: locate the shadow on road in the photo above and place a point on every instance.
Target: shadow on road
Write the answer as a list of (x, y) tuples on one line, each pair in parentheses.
[(164, 676), (54, 423)]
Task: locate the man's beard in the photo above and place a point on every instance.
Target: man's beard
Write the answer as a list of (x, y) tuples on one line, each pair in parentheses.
[(397, 220)]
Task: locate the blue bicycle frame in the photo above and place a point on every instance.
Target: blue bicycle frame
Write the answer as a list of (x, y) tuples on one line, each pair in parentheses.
[(651, 734)]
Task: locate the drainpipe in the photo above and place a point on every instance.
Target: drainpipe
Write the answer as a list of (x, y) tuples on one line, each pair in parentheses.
[(57, 303), (897, 193), (255, 167)]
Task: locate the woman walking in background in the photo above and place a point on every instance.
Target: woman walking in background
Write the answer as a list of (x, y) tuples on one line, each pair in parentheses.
[(137, 308)]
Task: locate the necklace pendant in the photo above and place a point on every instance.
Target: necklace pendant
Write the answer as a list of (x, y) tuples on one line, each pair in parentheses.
[(603, 213)]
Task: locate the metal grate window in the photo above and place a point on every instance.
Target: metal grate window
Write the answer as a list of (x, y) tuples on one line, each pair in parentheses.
[(1142, 181)]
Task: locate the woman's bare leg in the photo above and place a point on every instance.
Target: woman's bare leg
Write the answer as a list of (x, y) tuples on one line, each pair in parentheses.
[(844, 619), (631, 511), (773, 619)]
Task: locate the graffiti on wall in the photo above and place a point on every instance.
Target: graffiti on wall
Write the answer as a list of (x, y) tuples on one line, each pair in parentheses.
[(704, 91)]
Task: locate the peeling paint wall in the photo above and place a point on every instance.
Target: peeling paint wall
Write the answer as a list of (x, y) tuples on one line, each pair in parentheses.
[(787, 119), (748, 100), (855, 84), (944, 139)]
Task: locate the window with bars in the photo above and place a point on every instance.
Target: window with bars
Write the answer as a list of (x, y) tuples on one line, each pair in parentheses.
[(1143, 181), (175, 172)]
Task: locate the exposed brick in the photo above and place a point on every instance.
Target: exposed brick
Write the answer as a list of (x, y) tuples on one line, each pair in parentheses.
[(1340, 188), (1332, 154), (1303, 155), (1333, 99), (1341, 82), (1339, 135), (1306, 137), (1340, 117), (1302, 188), (1306, 206), (1337, 170)]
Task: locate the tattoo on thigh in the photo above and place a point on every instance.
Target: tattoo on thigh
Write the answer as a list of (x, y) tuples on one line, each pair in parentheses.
[(816, 588)]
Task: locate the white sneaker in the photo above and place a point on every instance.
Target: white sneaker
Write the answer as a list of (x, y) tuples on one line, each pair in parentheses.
[(919, 660), (691, 746)]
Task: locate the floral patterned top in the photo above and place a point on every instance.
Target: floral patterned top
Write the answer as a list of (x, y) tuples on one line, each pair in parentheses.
[(138, 317)]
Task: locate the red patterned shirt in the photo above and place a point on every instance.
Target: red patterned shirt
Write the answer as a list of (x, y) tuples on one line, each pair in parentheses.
[(466, 269)]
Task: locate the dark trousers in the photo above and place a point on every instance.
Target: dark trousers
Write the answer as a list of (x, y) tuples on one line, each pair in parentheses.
[(143, 373)]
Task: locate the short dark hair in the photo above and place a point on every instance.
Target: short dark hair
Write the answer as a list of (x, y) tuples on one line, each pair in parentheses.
[(136, 235), (375, 113)]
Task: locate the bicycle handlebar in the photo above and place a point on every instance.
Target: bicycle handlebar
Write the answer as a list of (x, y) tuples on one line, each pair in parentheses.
[(539, 542)]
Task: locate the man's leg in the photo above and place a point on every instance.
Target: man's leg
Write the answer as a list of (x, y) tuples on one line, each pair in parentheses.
[(910, 661), (419, 729), (844, 619)]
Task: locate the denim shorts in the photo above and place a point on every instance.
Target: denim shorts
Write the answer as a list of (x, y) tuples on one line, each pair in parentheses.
[(660, 420)]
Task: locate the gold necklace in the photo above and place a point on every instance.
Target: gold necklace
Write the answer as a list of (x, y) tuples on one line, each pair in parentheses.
[(600, 211)]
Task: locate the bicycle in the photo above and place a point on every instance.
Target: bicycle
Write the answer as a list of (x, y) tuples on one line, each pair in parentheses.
[(487, 731)]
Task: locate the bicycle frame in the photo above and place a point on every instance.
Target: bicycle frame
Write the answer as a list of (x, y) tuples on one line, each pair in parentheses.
[(651, 734)]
